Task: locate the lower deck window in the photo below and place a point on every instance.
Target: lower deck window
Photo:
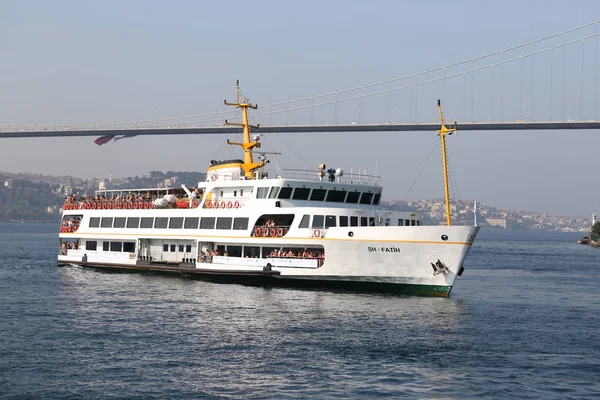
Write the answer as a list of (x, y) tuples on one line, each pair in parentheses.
[(90, 245), (318, 221), (240, 224), (304, 222), (116, 246), (129, 247), (329, 221), (224, 222)]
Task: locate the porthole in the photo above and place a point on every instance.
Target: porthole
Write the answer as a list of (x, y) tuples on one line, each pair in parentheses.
[(444, 237), (350, 234)]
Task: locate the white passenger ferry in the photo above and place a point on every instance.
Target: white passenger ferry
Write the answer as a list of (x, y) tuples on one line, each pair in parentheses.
[(320, 228)]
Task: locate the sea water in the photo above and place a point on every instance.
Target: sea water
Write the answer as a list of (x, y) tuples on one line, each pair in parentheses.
[(522, 322)]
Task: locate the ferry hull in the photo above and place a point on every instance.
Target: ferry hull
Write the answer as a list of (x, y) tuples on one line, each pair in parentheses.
[(275, 279)]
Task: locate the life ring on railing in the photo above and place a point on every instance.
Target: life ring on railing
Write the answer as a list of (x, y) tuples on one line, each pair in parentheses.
[(223, 204), (94, 206), (229, 204), (65, 206), (110, 206), (87, 206), (195, 203), (119, 205), (104, 206), (148, 205), (258, 232), (208, 204), (216, 204), (135, 205), (317, 233), (279, 232), (236, 204), (273, 232)]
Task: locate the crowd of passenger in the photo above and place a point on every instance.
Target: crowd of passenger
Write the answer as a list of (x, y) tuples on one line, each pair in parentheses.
[(119, 200), (66, 246), (305, 254), (300, 253), (70, 224)]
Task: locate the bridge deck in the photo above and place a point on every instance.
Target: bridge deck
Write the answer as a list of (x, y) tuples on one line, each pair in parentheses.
[(467, 126)]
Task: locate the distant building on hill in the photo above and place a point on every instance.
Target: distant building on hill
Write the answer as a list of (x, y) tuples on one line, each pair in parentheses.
[(501, 222)]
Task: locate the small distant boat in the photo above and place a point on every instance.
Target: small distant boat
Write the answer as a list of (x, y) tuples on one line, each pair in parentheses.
[(583, 240)]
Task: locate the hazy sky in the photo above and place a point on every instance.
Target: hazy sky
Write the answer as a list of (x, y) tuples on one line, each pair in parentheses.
[(77, 62)]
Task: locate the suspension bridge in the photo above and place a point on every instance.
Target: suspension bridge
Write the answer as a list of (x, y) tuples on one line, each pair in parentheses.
[(548, 83)]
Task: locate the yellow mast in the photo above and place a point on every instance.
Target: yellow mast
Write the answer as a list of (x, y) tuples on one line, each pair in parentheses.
[(442, 133), (249, 165)]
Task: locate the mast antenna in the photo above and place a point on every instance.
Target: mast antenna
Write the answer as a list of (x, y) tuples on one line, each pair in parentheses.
[(249, 165), (442, 132)]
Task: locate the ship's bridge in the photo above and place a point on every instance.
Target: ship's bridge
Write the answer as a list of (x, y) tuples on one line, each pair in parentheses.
[(228, 170)]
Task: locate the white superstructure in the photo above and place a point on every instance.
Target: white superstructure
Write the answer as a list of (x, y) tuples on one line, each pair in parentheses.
[(320, 228)]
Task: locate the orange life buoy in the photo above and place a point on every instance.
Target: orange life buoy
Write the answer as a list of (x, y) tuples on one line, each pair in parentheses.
[(135, 205), (208, 204), (222, 204), (104, 206), (229, 204), (110, 206), (216, 205), (258, 232), (94, 206), (236, 204), (280, 232), (87, 206), (119, 205), (273, 232), (148, 205), (317, 233), (129, 205), (195, 203)]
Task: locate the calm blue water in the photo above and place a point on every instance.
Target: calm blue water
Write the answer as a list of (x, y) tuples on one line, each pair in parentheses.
[(523, 322)]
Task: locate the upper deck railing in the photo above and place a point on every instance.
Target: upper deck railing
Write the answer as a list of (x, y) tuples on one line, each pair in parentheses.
[(302, 174)]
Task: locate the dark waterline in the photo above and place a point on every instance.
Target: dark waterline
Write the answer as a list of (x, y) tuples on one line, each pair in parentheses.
[(522, 322)]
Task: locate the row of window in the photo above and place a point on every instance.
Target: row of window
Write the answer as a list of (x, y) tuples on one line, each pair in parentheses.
[(334, 196), (187, 248), (226, 223), (329, 221), (126, 247)]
